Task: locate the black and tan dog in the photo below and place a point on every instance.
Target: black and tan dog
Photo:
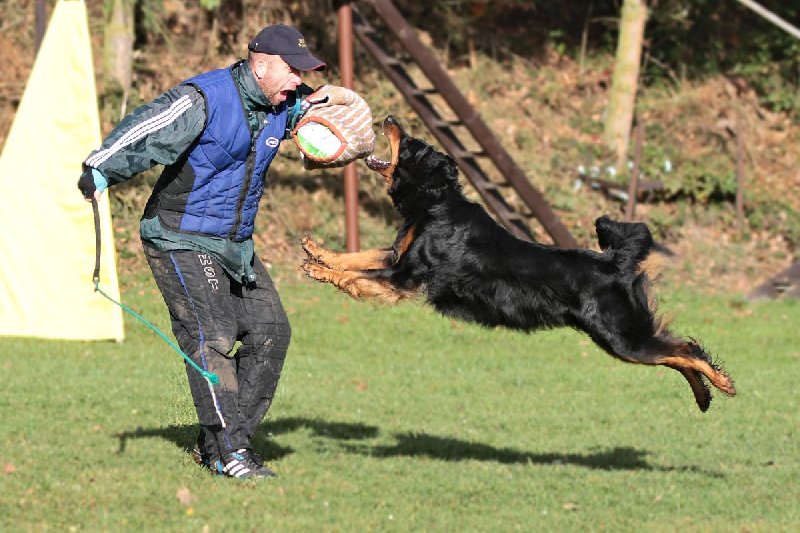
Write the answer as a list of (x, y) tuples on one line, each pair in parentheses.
[(472, 269)]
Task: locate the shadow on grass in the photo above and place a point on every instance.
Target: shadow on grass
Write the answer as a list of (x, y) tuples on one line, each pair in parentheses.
[(449, 449), (321, 428), (412, 445), (185, 435)]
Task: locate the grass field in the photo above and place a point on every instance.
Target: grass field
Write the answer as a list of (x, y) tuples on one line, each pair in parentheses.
[(398, 419)]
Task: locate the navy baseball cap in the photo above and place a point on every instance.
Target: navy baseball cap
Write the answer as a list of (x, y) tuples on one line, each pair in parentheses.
[(287, 42)]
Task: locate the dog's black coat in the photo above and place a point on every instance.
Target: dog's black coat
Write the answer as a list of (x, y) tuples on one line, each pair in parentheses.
[(473, 269)]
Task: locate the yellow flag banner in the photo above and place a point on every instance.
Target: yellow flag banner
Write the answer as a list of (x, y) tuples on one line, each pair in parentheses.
[(47, 240)]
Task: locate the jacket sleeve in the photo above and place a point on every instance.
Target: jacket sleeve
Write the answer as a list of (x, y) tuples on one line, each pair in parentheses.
[(158, 132)]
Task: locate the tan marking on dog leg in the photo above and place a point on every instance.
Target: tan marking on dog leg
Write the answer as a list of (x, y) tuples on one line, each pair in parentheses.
[(718, 378), (375, 289), (322, 273), (408, 238), (364, 260), (354, 284)]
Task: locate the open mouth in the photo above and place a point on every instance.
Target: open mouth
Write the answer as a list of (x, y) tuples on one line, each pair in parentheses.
[(393, 131), (376, 164)]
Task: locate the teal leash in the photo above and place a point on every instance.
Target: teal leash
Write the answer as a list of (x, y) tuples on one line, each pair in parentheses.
[(210, 376)]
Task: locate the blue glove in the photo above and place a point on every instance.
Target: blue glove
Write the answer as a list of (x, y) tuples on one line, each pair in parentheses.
[(92, 180)]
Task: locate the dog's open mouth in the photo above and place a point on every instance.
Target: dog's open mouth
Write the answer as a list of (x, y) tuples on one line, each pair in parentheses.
[(376, 164), (393, 131)]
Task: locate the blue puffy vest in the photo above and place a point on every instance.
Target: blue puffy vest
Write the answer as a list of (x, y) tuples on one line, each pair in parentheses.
[(228, 166)]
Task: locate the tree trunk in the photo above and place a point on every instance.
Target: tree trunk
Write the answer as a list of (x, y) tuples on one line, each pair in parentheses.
[(622, 98), (118, 43)]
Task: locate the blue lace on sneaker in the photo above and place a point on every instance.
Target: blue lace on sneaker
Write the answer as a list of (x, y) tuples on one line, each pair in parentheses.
[(240, 464)]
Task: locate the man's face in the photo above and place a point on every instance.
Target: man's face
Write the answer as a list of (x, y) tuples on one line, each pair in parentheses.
[(275, 77)]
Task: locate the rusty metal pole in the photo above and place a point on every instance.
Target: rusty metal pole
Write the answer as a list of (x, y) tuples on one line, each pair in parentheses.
[(345, 14), (40, 18)]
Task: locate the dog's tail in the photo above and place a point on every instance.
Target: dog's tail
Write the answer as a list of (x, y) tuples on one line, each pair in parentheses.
[(630, 242)]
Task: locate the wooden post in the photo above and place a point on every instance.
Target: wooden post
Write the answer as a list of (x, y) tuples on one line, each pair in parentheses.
[(625, 80), (739, 172), (633, 187), (345, 14)]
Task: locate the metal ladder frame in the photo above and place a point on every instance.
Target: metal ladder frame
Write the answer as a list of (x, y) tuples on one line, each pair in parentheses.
[(441, 129)]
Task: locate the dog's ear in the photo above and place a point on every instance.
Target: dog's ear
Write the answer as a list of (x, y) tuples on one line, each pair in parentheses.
[(427, 149), (413, 151), (425, 167), (440, 168), (415, 156)]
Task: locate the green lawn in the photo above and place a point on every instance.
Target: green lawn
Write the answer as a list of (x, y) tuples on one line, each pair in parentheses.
[(398, 419)]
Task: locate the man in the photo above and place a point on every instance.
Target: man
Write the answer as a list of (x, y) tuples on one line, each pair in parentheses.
[(216, 135)]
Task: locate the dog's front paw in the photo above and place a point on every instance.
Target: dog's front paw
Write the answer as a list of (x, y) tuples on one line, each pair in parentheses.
[(316, 271), (311, 248)]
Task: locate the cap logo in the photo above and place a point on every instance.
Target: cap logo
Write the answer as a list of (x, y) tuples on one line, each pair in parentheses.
[(301, 43)]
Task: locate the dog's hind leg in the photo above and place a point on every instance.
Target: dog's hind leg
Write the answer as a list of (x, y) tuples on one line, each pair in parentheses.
[(702, 395), (688, 358), (629, 328), (356, 284)]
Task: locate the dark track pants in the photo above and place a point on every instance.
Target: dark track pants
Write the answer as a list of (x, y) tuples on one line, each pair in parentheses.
[(210, 312)]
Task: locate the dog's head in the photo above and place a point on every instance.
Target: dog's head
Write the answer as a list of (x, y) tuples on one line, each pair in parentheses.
[(417, 175)]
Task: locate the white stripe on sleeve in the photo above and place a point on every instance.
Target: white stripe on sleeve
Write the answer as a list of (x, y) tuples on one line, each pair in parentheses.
[(147, 127)]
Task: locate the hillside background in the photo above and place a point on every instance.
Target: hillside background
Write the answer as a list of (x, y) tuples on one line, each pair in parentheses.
[(539, 73)]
